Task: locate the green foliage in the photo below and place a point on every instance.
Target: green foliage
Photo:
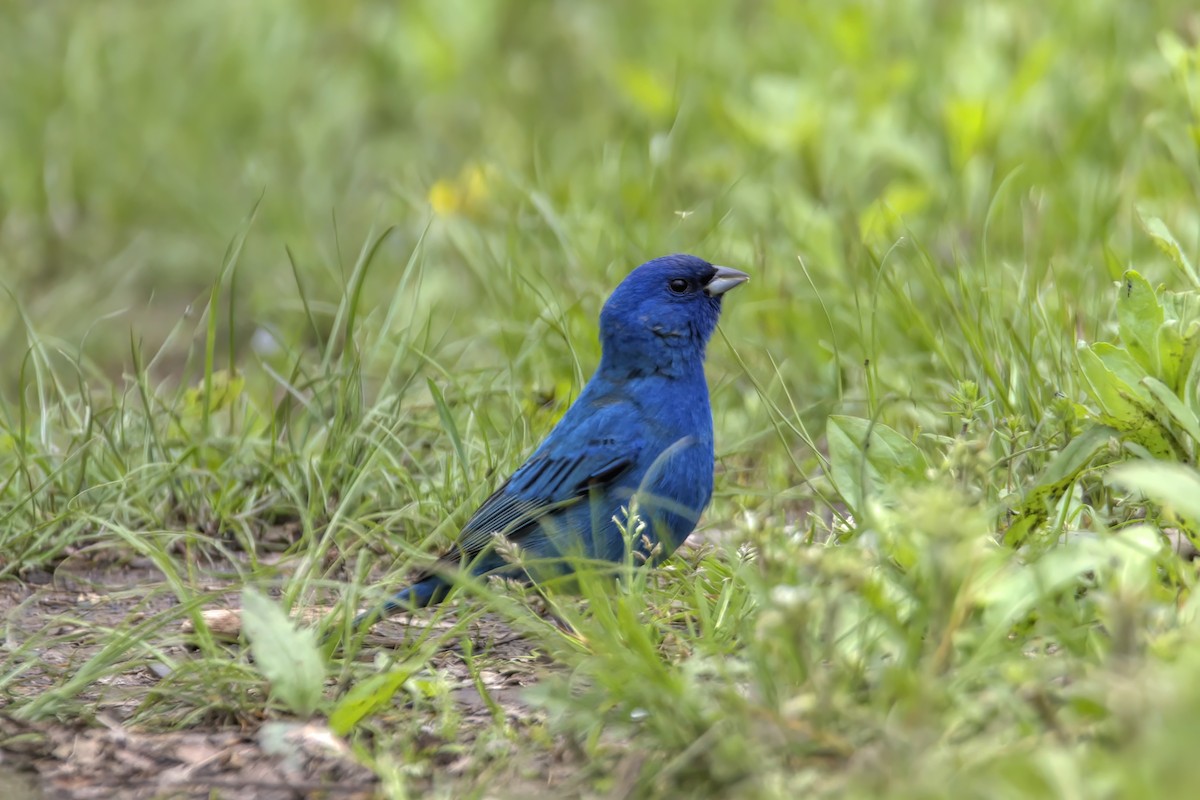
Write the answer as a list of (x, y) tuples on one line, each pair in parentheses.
[(1138, 386), (863, 455), (369, 696), (1173, 486), (1142, 393), (286, 656)]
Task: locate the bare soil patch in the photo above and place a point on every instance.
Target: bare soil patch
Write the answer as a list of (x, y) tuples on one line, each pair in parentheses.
[(101, 751)]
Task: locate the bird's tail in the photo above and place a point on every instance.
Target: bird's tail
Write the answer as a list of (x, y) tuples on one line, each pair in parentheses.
[(423, 593)]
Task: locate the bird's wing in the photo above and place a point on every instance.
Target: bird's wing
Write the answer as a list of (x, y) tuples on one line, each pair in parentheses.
[(554, 478)]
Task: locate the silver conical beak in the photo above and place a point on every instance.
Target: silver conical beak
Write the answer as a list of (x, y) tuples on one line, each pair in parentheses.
[(724, 280)]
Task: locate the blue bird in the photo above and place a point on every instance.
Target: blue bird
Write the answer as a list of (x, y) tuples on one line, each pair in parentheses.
[(642, 425)]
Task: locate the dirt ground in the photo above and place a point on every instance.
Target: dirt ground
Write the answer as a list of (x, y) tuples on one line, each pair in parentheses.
[(108, 756)]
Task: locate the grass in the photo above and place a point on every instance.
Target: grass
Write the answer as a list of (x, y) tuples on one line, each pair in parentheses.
[(294, 286)]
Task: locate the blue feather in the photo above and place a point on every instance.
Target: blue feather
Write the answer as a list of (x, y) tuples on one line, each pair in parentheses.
[(642, 426)]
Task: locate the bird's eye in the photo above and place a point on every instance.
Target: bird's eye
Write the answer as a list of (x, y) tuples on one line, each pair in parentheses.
[(677, 285)]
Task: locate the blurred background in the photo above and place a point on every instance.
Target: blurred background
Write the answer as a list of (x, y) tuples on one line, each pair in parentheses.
[(528, 154)]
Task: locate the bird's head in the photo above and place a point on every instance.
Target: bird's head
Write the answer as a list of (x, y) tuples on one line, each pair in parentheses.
[(663, 313)]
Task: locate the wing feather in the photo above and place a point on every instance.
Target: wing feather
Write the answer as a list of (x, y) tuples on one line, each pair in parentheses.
[(543, 485)]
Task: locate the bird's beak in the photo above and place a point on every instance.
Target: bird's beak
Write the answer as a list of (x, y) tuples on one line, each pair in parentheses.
[(723, 280)]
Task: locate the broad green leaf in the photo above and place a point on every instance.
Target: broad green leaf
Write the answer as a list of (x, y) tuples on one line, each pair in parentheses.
[(1180, 413), (1105, 389), (1189, 369), (1171, 352), (370, 695), (1182, 307), (866, 455), (286, 656), (1079, 452), (1016, 591), (1026, 522), (1122, 364), (1135, 552), (1056, 480), (1124, 407), (1166, 241), (1140, 317), (1172, 486)]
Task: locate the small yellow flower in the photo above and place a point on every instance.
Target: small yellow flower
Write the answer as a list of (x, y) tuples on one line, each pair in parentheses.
[(464, 194), (443, 196)]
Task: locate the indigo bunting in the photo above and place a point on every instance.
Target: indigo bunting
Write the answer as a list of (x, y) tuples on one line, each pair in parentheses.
[(642, 426)]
